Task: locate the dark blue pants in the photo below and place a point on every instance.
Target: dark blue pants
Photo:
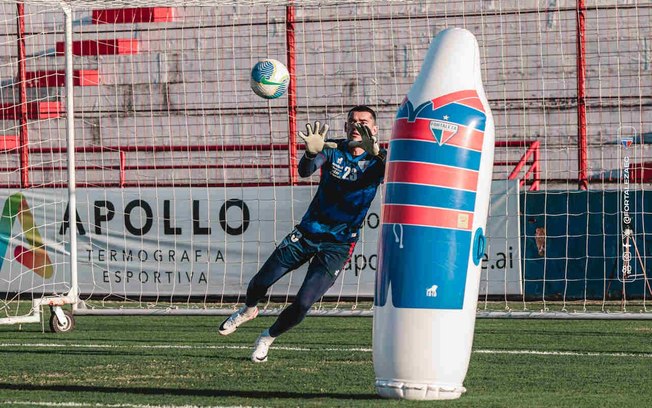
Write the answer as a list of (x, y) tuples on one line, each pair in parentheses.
[(328, 259)]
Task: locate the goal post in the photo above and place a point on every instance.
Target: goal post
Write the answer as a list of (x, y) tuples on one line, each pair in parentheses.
[(184, 180), (25, 229)]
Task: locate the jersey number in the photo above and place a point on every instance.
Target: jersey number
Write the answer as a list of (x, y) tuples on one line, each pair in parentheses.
[(348, 174)]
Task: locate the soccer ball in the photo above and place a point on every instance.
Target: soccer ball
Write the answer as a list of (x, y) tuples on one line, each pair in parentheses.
[(269, 78)]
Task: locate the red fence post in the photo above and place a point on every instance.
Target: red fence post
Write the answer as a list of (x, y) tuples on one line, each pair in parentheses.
[(22, 85), (582, 155), (123, 172), (535, 166), (292, 94)]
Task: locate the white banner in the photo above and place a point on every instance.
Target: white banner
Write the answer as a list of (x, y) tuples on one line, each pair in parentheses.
[(198, 241), (501, 265)]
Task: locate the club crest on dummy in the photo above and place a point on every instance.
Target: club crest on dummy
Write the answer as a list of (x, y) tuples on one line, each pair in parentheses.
[(443, 131)]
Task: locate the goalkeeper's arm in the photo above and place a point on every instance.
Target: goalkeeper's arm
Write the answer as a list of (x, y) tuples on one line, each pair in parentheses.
[(315, 140), (369, 142), (382, 155), (310, 163)]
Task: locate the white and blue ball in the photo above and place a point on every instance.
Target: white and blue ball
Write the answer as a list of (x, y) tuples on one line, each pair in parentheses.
[(269, 78)]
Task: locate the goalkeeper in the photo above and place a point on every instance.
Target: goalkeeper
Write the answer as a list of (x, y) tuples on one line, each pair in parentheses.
[(352, 170)]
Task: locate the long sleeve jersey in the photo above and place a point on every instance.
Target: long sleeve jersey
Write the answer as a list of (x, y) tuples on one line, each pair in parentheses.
[(347, 187)]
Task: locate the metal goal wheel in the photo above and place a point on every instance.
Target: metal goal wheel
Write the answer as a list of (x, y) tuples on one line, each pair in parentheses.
[(61, 321)]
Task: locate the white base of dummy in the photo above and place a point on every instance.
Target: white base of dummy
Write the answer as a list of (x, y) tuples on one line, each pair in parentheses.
[(418, 391)]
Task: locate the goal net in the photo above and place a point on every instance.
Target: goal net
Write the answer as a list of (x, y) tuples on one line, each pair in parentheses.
[(186, 180)]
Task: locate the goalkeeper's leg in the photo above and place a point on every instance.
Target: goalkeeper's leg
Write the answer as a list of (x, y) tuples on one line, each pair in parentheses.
[(324, 269), (322, 273), (289, 255), (316, 283)]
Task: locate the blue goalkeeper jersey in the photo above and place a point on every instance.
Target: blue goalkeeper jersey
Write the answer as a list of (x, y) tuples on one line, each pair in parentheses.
[(347, 187)]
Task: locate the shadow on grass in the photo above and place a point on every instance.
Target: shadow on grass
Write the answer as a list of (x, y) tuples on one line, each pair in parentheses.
[(186, 392)]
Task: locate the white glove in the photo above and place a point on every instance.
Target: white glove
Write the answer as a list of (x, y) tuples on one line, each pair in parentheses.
[(316, 139), (369, 142)]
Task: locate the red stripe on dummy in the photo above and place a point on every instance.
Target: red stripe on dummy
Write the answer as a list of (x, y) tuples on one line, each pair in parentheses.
[(474, 103), (454, 97), (432, 175), (465, 137), (427, 216)]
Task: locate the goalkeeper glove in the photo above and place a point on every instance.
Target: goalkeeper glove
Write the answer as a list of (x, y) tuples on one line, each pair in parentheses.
[(369, 142), (316, 139)]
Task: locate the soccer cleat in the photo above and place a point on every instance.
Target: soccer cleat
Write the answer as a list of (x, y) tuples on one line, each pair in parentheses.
[(241, 316), (261, 347)]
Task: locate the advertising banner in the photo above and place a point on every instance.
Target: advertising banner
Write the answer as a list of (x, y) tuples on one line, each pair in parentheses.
[(161, 242)]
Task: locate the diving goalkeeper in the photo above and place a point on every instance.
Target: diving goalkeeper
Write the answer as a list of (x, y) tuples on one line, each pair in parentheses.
[(353, 168)]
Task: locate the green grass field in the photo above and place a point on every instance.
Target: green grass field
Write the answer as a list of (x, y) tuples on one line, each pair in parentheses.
[(324, 362)]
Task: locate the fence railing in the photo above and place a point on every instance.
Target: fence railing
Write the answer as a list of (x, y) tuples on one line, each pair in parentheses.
[(121, 163)]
